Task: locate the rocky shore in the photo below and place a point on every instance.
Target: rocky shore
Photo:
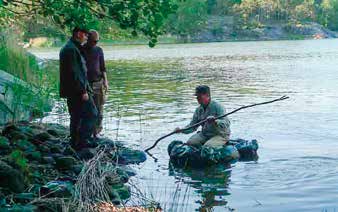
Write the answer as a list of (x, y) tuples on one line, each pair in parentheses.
[(39, 171)]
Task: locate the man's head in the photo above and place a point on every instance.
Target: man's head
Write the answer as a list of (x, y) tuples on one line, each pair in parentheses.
[(80, 34), (93, 37), (202, 94)]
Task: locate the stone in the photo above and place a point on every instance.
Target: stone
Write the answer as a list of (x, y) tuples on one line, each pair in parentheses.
[(57, 189), (77, 168), (129, 171), (114, 196), (48, 160), (123, 191), (33, 155), (50, 205), (18, 208), (123, 175), (4, 143), (43, 148), (65, 162), (55, 149), (86, 153), (69, 151), (130, 156), (43, 136), (24, 145), (23, 198), (11, 178)]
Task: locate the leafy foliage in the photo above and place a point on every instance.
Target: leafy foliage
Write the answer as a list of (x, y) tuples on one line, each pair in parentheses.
[(145, 16)]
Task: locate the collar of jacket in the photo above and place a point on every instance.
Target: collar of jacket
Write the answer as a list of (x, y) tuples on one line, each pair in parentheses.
[(75, 42), (204, 109)]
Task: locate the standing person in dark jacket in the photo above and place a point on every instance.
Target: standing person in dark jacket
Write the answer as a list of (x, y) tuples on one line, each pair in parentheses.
[(75, 88), (96, 74)]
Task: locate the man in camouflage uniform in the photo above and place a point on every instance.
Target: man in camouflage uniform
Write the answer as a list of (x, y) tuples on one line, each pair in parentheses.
[(215, 133), (75, 88), (97, 76)]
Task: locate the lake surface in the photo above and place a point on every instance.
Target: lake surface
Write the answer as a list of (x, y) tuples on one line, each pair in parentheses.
[(152, 93)]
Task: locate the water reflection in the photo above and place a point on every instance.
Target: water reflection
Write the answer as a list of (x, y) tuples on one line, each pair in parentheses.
[(211, 183)]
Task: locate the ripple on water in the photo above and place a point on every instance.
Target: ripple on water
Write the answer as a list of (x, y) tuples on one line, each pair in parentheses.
[(284, 173)]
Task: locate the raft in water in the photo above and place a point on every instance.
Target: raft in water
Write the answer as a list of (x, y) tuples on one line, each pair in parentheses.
[(238, 149)]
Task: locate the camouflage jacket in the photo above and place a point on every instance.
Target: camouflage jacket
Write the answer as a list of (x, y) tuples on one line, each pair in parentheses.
[(219, 127)]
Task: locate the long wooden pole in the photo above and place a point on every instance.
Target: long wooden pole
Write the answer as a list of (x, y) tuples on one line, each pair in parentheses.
[(219, 117)]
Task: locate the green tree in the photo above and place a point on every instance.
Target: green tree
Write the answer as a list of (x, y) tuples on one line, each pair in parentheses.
[(189, 18), (145, 16)]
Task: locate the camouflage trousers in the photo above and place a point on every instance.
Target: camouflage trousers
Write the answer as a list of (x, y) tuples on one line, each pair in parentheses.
[(199, 140), (99, 100)]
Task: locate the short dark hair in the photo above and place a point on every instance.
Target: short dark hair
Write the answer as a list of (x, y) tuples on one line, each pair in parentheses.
[(79, 29), (202, 89)]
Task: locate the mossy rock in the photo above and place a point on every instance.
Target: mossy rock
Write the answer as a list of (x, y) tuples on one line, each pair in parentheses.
[(23, 198), (11, 178), (43, 136), (34, 155), (65, 162), (19, 208), (114, 196), (124, 192), (130, 156), (24, 145), (4, 143), (57, 189)]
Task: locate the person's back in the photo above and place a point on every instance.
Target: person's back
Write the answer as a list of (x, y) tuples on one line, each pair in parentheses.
[(72, 72), (75, 88)]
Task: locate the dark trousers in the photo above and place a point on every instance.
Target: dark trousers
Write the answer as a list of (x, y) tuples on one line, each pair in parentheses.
[(83, 116)]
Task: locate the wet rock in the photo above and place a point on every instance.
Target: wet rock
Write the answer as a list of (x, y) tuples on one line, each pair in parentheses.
[(69, 151), (129, 156), (4, 143), (114, 196), (56, 148), (43, 148), (129, 171), (24, 145), (23, 198), (65, 162), (50, 204), (122, 174), (18, 208), (77, 168), (86, 153), (57, 189), (123, 191), (33, 155), (48, 160), (11, 178), (43, 136)]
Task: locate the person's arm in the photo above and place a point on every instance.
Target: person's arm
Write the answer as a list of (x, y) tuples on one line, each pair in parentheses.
[(193, 121), (223, 123), (103, 70)]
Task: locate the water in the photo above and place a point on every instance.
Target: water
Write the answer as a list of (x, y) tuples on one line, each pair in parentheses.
[(152, 93)]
